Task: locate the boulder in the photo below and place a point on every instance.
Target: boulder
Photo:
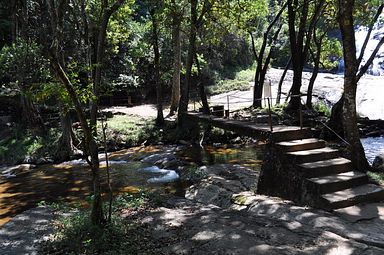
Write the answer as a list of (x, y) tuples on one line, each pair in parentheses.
[(378, 164), (14, 171), (222, 182), (159, 158)]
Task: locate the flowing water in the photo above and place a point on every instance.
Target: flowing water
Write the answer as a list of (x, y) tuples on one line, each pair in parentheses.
[(70, 181), (373, 146)]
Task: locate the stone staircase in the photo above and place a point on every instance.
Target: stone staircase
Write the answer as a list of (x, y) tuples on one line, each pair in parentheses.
[(329, 180)]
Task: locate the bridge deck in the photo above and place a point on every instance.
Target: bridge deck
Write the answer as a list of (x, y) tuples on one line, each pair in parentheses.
[(251, 129)]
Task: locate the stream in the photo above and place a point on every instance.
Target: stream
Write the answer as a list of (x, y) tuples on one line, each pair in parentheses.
[(373, 146), (70, 181)]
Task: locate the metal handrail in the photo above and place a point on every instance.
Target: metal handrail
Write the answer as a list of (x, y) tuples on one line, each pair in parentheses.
[(328, 127)]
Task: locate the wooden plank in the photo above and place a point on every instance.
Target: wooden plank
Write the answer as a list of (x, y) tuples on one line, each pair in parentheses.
[(247, 128)]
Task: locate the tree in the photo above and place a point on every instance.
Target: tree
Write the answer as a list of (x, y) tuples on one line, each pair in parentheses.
[(194, 24), (57, 11), (106, 12), (23, 66), (263, 62), (301, 22), (176, 11), (352, 75), (154, 10)]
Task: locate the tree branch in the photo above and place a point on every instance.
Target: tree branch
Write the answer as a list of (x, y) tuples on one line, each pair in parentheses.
[(379, 11), (365, 67)]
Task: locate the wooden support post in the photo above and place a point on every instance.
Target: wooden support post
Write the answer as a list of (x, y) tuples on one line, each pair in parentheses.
[(301, 115), (270, 113), (227, 111)]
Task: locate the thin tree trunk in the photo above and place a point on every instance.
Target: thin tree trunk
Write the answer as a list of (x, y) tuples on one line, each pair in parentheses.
[(57, 11), (100, 49), (278, 97), (159, 97), (203, 95), (184, 99), (175, 98), (299, 49), (65, 147), (261, 67)]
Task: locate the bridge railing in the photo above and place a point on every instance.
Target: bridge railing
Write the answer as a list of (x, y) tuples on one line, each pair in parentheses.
[(224, 105)]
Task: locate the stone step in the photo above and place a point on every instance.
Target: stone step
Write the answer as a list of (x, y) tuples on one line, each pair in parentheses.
[(326, 167), (301, 144), (314, 155), (336, 182), (280, 135), (362, 194)]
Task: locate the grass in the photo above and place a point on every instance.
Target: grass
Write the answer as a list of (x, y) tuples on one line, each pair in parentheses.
[(241, 82), (131, 131), (379, 177)]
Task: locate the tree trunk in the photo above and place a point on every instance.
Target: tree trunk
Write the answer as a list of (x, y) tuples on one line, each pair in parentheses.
[(336, 122), (90, 146), (30, 116), (315, 72), (261, 68), (184, 99), (351, 130), (65, 147), (159, 97), (299, 48), (278, 97), (57, 11), (203, 95), (296, 43), (175, 98), (100, 48)]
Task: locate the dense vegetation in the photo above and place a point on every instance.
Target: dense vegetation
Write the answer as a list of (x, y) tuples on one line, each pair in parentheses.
[(60, 60)]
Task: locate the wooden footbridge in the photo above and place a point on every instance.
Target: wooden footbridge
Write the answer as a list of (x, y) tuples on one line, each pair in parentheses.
[(302, 168)]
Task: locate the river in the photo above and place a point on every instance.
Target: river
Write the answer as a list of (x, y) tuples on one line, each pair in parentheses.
[(373, 146), (70, 181)]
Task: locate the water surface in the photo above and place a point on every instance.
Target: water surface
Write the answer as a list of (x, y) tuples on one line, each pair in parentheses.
[(70, 181)]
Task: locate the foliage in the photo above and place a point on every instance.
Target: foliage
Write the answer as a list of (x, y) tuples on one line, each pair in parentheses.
[(323, 108), (75, 234), (23, 65), (22, 144)]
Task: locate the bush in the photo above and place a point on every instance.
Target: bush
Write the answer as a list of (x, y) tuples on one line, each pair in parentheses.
[(323, 108)]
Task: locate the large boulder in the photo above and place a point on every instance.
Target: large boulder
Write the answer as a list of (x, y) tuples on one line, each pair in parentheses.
[(222, 182)]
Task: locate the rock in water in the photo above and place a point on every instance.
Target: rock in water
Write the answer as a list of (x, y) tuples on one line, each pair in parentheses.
[(378, 164)]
